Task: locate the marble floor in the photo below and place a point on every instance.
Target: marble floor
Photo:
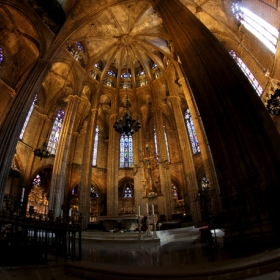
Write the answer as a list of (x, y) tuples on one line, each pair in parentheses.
[(182, 257)]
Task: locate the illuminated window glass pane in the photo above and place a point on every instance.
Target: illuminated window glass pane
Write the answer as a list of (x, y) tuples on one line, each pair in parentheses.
[(27, 118), (265, 32), (97, 65), (191, 132), (80, 47), (37, 180), (1, 55), (126, 151), (93, 192), (56, 130), (126, 75), (127, 192), (155, 142), (111, 73), (95, 146), (166, 144), (247, 73)]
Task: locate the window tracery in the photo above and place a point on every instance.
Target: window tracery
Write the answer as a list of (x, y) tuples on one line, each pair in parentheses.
[(265, 32), (247, 73), (191, 132), (56, 130), (126, 151), (27, 118)]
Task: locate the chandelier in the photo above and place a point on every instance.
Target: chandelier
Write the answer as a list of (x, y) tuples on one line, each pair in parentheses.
[(42, 152), (127, 125)]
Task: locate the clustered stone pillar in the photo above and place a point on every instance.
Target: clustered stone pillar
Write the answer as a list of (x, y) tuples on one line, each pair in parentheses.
[(187, 159), (243, 141), (59, 175), (87, 169), (165, 177), (112, 167)]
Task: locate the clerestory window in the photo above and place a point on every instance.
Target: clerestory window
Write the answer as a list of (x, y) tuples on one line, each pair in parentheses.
[(247, 73), (95, 147), (265, 32), (191, 132)]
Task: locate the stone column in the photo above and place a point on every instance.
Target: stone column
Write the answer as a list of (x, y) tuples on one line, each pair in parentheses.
[(165, 177), (187, 159), (59, 174), (112, 168), (243, 140), (87, 169), (14, 119), (137, 169), (205, 152)]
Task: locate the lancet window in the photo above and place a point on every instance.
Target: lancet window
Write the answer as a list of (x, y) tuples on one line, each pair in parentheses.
[(1, 55), (126, 151), (166, 143), (95, 147), (247, 73), (56, 130), (191, 132), (27, 118), (265, 32)]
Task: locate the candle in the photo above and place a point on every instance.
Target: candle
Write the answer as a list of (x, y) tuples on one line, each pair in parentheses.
[(147, 207), (153, 210), (139, 210), (70, 212)]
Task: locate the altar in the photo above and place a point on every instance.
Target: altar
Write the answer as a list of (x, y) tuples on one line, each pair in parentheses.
[(127, 222)]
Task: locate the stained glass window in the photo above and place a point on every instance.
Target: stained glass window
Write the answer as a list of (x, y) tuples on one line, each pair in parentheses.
[(95, 146), (127, 192), (1, 55), (191, 132), (265, 32), (37, 180), (141, 73), (93, 192), (247, 73), (27, 118), (111, 73), (155, 142), (154, 66), (126, 151), (80, 47), (97, 65), (56, 130), (174, 190), (125, 75), (166, 143)]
